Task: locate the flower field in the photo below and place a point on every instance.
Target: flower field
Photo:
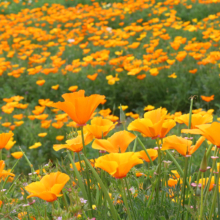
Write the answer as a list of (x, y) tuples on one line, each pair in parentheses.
[(109, 109)]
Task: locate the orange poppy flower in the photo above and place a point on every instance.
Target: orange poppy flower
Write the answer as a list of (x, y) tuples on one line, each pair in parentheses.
[(92, 77), (79, 107), (207, 98), (204, 181), (100, 127), (4, 139), (166, 127), (211, 132), (10, 144), (118, 164), (172, 182), (40, 82), (152, 153), (182, 145), (4, 173), (73, 88), (151, 124), (74, 144), (149, 108), (55, 87), (49, 187), (196, 119), (17, 155), (36, 145), (118, 142)]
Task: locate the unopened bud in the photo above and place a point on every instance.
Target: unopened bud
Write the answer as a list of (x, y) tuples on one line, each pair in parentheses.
[(203, 166)]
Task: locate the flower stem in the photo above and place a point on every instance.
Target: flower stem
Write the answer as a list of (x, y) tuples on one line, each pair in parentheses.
[(201, 203), (129, 195), (6, 179), (87, 172), (184, 185), (142, 145), (206, 191), (214, 200), (159, 170), (125, 199)]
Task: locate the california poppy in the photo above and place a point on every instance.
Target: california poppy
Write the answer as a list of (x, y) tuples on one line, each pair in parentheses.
[(207, 98), (182, 145), (4, 173), (4, 139), (79, 107), (17, 155), (75, 144), (152, 153), (118, 164), (100, 127), (211, 132), (151, 124), (118, 142), (49, 187)]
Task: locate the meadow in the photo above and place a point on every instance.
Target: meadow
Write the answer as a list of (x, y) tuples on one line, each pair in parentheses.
[(109, 109)]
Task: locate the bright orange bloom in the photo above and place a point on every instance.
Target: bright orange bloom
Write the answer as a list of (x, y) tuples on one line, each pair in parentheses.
[(151, 124), (118, 164), (92, 77), (196, 119), (10, 144), (73, 88), (172, 182), (59, 137), (182, 145), (166, 127), (40, 82), (49, 187), (79, 107), (4, 139), (55, 87), (4, 173), (100, 127), (35, 145), (152, 153), (211, 132), (74, 144), (118, 142), (204, 181), (17, 155), (149, 108), (207, 98)]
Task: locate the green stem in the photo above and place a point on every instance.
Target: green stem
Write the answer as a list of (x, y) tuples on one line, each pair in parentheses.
[(179, 170), (206, 191), (112, 208), (142, 145), (159, 170), (13, 184), (81, 184), (129, 196), (213, 201), (201, 204), (125, 199), (135, 145), (87, 172), (184, 184), (28, 161), (152, 193), (8, 175), (65, 201)]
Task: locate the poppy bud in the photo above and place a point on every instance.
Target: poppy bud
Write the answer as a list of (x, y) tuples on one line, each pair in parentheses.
[(203, 165)]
